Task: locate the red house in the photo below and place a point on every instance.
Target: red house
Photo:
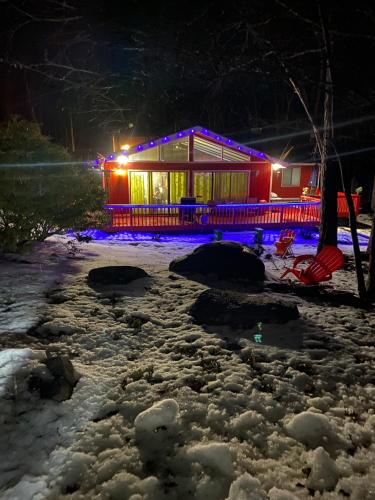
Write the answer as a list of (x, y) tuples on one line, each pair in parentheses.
[(152, 186)]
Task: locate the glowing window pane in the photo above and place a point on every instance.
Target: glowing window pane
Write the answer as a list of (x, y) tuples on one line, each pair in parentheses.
[(139, 188), (175, 151), (151, 154), (231, 155), (206, 150), (203, 186), (177, 186), (222, 186), (239, 186), (159, 188)]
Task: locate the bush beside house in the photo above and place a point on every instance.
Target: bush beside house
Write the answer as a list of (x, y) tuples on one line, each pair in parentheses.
[(41, 191)]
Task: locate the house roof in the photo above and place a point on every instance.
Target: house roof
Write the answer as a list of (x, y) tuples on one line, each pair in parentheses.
[(202, 132)]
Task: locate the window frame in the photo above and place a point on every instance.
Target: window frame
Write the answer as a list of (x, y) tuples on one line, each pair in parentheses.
[(149, 176), (213, 172), (291, 169)]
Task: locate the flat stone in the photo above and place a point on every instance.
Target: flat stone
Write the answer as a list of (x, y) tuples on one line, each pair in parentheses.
[(222, 307), (55, 378), (115, 275)]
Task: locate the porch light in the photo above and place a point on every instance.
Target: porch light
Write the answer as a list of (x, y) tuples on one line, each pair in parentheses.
[(124, 147), (277, 166), (119, 171), (122, 159)]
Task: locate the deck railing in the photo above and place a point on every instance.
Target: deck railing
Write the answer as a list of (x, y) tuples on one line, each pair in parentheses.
[(342, 204), (201, 217)]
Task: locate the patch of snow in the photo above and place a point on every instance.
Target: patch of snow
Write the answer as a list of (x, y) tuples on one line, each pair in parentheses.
[(236, 403), (324, 472), (246, 487), (313, 430), (216, 456), (277, 494), (161, 414)]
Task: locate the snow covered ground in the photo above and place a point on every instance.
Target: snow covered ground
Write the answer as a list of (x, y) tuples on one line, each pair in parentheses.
[(170, 410)]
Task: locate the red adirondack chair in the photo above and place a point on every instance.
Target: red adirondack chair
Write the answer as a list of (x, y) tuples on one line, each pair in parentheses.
[(328, 260), (284, 245)]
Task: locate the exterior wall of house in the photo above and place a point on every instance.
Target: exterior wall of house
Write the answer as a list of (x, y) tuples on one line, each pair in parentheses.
[(117, 176), (291, 191), (117, 186), (260, 179)]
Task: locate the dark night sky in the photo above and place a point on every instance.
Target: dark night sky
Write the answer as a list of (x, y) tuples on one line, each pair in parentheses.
[(163, 66)]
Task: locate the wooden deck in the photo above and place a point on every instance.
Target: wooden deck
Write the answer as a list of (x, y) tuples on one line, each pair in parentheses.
[(200, 218)]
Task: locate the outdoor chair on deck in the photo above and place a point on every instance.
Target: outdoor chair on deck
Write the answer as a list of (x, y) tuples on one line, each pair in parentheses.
[(284, 247), (328, 260)]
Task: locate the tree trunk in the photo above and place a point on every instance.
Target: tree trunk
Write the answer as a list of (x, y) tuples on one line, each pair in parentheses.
[(328, 211), (371, 269), (329, 173), (353, 230), (373, 196)]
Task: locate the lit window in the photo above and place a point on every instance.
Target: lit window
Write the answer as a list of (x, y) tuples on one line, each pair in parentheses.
[(151, 154), (206, 150), (175, 151), (222, 187), (231, 155), (158, 188), (230, 187), (291, 176)]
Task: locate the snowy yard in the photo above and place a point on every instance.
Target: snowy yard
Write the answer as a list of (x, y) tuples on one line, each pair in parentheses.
[(169, 409)]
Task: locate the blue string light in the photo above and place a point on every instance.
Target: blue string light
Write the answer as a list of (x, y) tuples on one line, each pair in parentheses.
[(203, 131)]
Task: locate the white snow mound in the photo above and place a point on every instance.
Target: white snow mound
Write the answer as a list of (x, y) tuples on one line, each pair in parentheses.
[(214, 455), (161, 414), (324, 472), (312, 429), (246, 487), (277, 494)]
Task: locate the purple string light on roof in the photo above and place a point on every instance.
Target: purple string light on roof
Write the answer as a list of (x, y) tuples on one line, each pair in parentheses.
[(151, 143), (139, 148)]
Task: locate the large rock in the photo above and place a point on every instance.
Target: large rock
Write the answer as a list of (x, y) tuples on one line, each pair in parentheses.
[(219, 307), (226, 259), (115, 275), (55, 378)]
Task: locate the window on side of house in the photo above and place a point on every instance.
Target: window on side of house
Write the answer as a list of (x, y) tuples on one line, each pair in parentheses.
[(158, 188), (175, 151), (151, 154), (291, 176), (207, 150), (139, 188), (203, 186), (177, 186), (221, 187)]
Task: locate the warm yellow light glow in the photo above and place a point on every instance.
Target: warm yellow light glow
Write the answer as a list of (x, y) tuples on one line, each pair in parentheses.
[(125, 147), (120, 171), (122, 159), (277, 166)]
